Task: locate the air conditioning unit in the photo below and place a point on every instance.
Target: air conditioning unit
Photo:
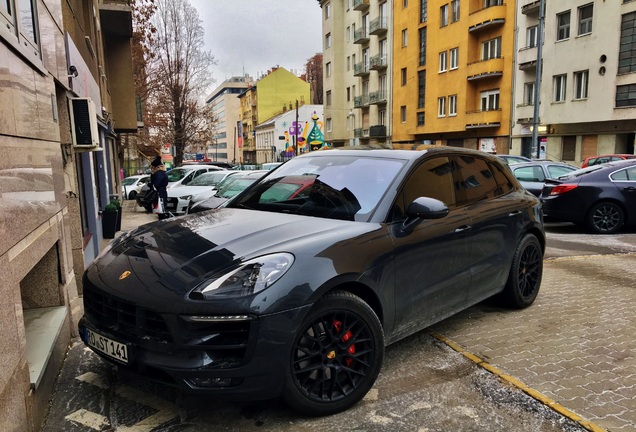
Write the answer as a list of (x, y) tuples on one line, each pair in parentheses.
[(84, 130)]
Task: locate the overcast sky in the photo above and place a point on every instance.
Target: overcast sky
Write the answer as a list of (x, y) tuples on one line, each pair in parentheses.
[(255, 35)]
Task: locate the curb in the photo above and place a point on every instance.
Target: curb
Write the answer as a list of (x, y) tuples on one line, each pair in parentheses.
[(555, 406)]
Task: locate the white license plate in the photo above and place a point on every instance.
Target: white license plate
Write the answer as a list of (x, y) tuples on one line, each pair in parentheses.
[(171, 205), (111, 348)]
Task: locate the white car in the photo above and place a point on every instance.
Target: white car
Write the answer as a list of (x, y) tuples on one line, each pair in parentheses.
[(130, 186), (202, 187), (183, 175)]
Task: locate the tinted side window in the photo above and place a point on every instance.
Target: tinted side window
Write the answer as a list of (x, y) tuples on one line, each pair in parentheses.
[(476, 181), (434, 179), (628, 174)]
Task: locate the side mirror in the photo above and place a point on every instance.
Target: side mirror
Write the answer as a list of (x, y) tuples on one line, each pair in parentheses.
[(423, 208)]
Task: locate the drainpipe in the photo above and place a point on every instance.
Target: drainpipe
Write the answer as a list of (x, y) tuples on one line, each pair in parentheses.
[(537, 82)]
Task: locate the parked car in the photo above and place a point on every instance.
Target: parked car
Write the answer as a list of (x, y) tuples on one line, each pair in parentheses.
[(511, 160), (601, 197), (226, 190), (202, 187), (596, 160), (130, 186), (532, 175), (271, 165), (183, 175), (298, 297)]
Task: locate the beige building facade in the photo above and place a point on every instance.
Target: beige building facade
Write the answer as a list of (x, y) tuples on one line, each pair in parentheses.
[(65, 94), (588, 85)]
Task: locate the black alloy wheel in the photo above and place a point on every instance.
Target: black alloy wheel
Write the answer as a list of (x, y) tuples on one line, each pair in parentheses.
[(336, 356), (525, 275), (605, 218)]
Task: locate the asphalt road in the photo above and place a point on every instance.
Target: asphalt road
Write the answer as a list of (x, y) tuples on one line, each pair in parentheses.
[(424, 386)]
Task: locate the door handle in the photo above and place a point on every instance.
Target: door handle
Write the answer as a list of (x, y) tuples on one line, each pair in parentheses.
[(462, 228), (630, 189), (514, 213)]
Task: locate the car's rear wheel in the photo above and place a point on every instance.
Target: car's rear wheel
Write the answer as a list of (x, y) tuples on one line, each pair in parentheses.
[(132, 195), (524, 279), (605, 218), (336, 356)]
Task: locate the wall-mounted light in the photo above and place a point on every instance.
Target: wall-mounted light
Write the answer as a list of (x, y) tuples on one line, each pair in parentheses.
[(72, 70)]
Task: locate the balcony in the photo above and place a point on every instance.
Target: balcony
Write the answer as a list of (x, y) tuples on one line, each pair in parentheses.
[(361, 69), (483, 119), (378, 62), (378, 131), (357, 102), (365, 100), (527, 58), (357, 133), (531, 7), (487, 18), (378, 97), (485, 69), (361, 36), (361, 5), (378, 26)]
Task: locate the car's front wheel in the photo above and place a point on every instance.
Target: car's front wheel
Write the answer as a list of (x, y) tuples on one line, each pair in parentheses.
[(336, 356), (524, 279), (132, 195), (605, 218)]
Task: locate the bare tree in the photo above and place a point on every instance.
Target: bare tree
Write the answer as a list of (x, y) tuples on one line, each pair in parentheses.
[(314, 78), (179, 76)]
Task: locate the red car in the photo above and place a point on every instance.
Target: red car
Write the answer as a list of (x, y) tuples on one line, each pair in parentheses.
[(595, 160)]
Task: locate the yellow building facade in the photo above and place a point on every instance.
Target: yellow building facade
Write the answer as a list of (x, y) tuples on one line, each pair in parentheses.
[(278, 89), (453, 73)]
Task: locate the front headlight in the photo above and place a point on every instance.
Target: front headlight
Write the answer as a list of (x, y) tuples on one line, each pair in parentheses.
[(248, 278), (186, 197)]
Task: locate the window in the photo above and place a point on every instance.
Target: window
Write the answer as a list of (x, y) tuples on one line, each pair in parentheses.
[(423, 11), (405, 37), (580, 84), (531, 37), (563, 26), (423, 46), (382, 117), (454, 54), (491, 49), (559, 84), (348, 63), (19, 18), (585, 19), (348, 34), (405, 3), (421, 88), (626, 95), (329, 123), (454, 10), (478, 182), (403, 113), (442, 61), (441, 107), (452, 105), (420, 119), (403, 76), (490, 100), (348, 94), (489, 3), (328, 40), (328, 69), (433, 178), (328, 97), (528, 93), (443, 16), (327, 10), (627, 55)]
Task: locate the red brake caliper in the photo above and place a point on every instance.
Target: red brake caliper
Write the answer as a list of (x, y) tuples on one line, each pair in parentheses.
[(352, 349)]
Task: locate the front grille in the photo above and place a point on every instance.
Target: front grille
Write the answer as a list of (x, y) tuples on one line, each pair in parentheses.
[(124, 319), (172, 203)]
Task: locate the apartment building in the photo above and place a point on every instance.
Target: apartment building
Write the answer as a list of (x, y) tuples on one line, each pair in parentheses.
[(225, 106), (357, 71), (453, 73), (65, 93), (588, 85)]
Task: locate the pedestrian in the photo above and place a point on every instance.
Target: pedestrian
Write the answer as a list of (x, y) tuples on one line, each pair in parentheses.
[(159, 182)]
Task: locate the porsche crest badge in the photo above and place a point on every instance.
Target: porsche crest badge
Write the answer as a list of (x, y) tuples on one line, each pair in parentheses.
[(124, 275)]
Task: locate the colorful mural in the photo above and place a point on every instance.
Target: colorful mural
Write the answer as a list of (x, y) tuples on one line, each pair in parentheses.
[(310, 136)]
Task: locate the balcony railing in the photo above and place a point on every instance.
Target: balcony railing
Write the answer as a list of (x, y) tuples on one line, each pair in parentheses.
[(485, 69), (360, 5), (378, 26), (357, 102), (361, 36), (378, 62), (361, 69), (487, 18), (483, 119), (357, 133), (378, 131), (377, 97), (365, 100)]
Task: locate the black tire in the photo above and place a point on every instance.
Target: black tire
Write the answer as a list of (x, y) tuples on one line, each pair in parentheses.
[(132, 195), (524, 279), (605, 218), (336, 356)]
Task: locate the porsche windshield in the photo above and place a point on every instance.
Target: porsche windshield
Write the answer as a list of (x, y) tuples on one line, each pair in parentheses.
[(338, 187)]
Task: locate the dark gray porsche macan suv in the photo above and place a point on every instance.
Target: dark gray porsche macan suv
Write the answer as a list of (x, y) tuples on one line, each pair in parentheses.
[(297, 297)]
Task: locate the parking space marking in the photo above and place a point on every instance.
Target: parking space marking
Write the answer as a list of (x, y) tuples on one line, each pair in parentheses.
[(94, 379), (89, 419), (552, 404)]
